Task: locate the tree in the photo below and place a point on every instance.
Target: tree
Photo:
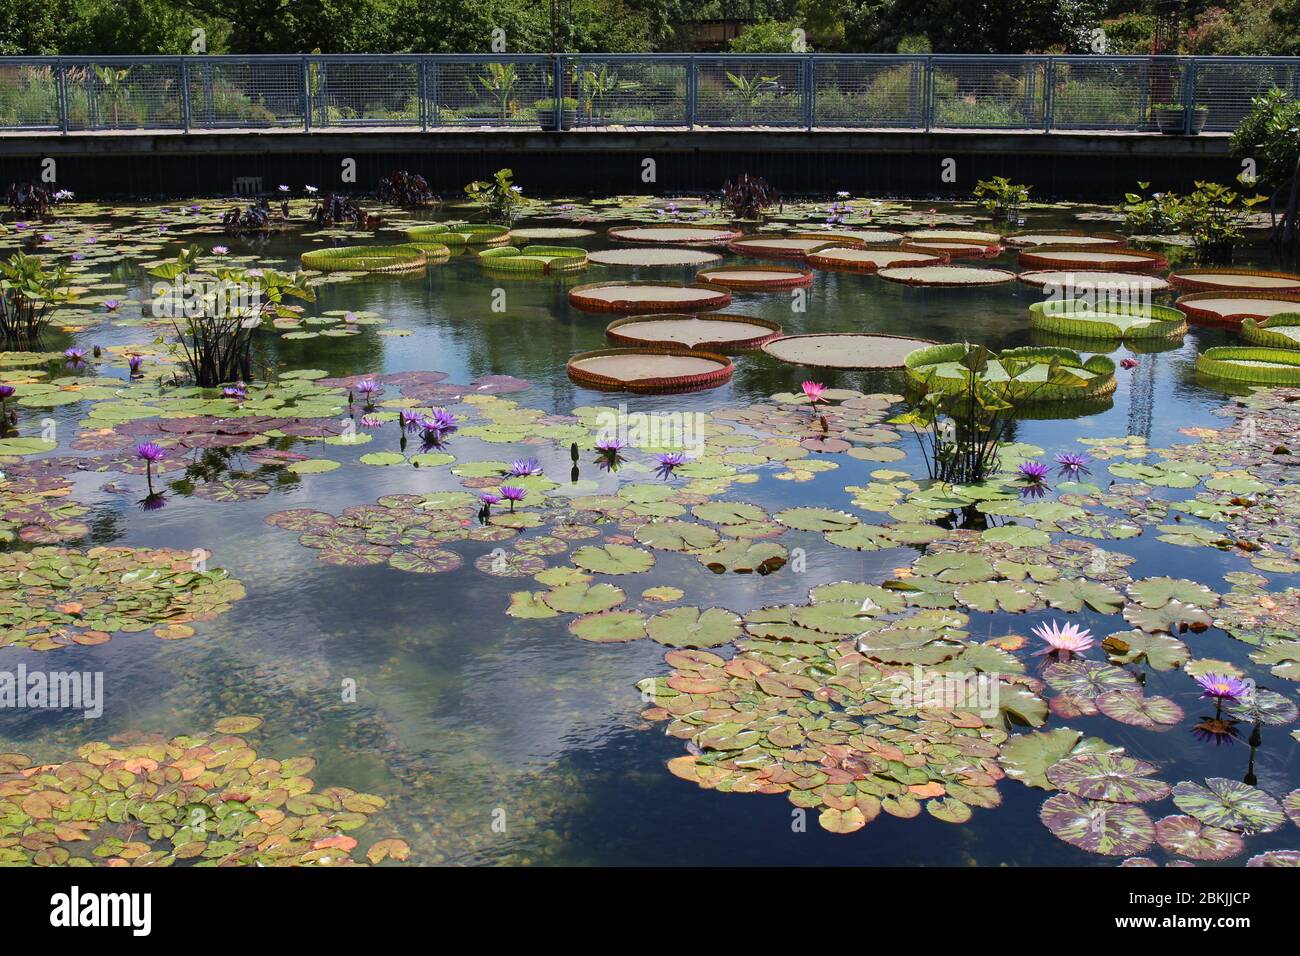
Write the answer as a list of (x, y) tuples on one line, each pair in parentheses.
[(973, 26)]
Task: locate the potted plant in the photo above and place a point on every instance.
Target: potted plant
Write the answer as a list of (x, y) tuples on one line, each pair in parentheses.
[(1171, 117), (545, 110)]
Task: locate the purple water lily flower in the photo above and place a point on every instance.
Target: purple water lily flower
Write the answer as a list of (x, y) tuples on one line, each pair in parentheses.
[(149, 453), (437, 425), (220, 250), (237, 391), (489, 499), (523, 467), (370, 421), (1033, 472), (512, 494), (6, 393), (134, 364), (668, 462), (1073, 464), (369, 388), (1221, 687), (112, 305), (74, 355), (410, 421), (609, 454)]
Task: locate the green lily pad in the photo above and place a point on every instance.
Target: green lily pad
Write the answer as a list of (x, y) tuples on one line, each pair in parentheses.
[(1229, 805), (1109, 829)]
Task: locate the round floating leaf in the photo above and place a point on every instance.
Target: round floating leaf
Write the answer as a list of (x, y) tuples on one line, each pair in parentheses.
[(584, 598), (1134, 709), (1111, 829), (949, 810), (842, 821), (693, 628), (1157, 592), (1113, 778), (613, 559), (611, 627), (1229, 805), (1026, 757), (425, 561), (1265, 706), (816, 519), (1188, 837), (676, 536), (237, 725), (1088, 678), (1291, 806)]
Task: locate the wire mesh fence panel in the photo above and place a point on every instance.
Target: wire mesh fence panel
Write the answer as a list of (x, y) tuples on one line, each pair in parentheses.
[(121, 94), (619, 91), (487, 91), (371, 92), (762, 91), (1226, 87), (988, 92), (1095, 92), (245, 93), (872, 92), (29, 95)]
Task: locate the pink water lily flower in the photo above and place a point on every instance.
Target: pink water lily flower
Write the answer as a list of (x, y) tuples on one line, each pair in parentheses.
[(1065, 639)]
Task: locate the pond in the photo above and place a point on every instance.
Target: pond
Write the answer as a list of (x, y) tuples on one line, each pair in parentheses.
[(418, 659)]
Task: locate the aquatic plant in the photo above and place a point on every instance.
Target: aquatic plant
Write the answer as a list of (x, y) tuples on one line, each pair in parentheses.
[(1221, 687), (1065, 640), (1215, 217), (216, 326), (135, 365), (405, 189), (34, 200), (6, 393), (524, 467), (961, 423), (669, 462), (500, 198), (255, 217), (193, 803), (1001, 197), (405, 257), (150, 454), (28, 291), (368, 388), (747, 197), (609, 454), (1073, 465), (1267, 137), (513, 494), (336, 209)]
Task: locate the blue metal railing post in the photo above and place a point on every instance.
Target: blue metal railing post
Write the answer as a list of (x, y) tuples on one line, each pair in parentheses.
[(185, 94), (61, 84), (809, 91), (692, 90), (1189, 95), (306, 95), (929, 93), (1049, 94), (557, 99), (422, 79)]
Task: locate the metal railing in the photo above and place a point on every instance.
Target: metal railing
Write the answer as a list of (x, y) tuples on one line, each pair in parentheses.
[(807, 91)]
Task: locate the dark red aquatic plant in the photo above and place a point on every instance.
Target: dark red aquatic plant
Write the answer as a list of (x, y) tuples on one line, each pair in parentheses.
[(747, 196), (401, 188)]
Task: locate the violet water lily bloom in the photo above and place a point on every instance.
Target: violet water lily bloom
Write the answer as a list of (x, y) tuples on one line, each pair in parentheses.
[(410, 421), (489, 499), (370, 421), (522, 467), (7, 391), (668, 462), (150, 452), (1221, 687), (112, 305), (1073, 464), (237, 392), (75, 355), (1065, 639), (220, 250), (134, 364), (1033, 472), (609, 453), (512, 494)]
